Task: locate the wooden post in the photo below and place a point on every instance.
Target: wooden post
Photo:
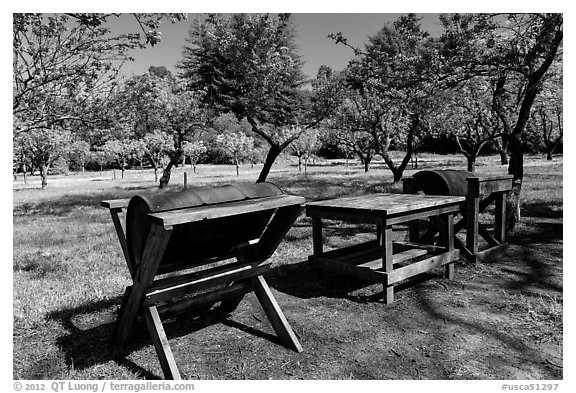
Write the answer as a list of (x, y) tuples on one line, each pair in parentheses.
[(500, 217), (449, 243), (317, 236), (387, 261), (472, 212)]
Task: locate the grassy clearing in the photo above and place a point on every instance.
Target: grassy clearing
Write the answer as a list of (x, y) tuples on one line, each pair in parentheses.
[(501, 320)]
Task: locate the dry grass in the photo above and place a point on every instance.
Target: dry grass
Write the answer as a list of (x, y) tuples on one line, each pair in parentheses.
[(494, 321)]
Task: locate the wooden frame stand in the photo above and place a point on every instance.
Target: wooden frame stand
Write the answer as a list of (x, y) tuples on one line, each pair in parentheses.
[(156, 295), (481, 193)]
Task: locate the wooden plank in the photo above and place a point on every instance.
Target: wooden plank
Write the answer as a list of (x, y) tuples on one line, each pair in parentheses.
[(177, 287), (416, 268), (201, 301), (423, 213), (144, 275), (120, 232), (210, 212), (274, 314), (495, 185), (390, 204), (160, 341), (115, 203), (353, 216), (278, 226)]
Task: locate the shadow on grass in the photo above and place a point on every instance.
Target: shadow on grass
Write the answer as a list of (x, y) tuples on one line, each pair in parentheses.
[(96, 344), (319, 282)]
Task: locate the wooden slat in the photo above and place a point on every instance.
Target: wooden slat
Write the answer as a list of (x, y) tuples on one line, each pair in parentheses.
[(390, 204), (210, 212), (121, 233), (115, 203), (209, 298), (425, 265), (423, 213), (177, 287), (488, 185), (145, 271)]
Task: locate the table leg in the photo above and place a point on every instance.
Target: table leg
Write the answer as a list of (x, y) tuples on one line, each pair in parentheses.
[(472, 211), (387, 264), (449, 244), (500, 217), (317, 236)]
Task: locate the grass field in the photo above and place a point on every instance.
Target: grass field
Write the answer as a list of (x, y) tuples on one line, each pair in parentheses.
[(498, 320)]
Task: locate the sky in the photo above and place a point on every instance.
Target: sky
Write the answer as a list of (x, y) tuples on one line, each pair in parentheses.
[(312, 39)]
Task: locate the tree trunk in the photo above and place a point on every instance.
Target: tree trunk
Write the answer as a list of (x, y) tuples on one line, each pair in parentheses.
[(299, 164), (24, 173), (516, 169), (549, 155), (165, 179), (44, 175), (155, 173), (273, 153), (237, 166), (366, 164), (471, 160)]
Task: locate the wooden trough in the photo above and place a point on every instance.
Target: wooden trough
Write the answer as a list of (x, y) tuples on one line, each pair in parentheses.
[(480, 192), (197, 248)]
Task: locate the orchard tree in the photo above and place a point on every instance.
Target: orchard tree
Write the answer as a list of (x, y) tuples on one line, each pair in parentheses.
[(547, 116), (79, 152), (249, 65), (119, 151), (194, 151), (305, 147), (186, 119), (45, 147), (156, 145), (468, 116), (238, 145), (511, 49), (393, 84)]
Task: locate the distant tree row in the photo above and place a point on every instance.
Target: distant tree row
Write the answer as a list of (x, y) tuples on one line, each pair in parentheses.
[(489, 79)]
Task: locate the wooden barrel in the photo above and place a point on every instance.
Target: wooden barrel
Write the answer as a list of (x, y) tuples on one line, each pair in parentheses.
[(451, 182), (200, 242)]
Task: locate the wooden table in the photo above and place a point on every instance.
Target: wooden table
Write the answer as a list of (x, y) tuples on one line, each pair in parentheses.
[(382, 260)]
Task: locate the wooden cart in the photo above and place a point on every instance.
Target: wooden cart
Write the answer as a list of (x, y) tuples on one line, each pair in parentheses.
[(225, 244)]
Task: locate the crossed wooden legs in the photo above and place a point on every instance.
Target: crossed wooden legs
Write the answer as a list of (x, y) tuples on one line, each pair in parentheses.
[(140, 298)]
